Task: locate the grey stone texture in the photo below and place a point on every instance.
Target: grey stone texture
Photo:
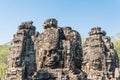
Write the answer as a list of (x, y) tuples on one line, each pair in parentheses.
[(99, 56), (55, 54), (22, 63), (59, 53)]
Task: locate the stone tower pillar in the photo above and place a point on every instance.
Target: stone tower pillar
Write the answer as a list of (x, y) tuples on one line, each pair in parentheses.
[(59, 53), (99, 56), (55, 54), (22, 54)]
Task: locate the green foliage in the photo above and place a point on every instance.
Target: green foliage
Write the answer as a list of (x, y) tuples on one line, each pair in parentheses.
[(3, 68), (116, 40), (4, 50), (117, 47)]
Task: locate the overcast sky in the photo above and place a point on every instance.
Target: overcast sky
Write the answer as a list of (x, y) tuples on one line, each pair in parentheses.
[(81, 15)]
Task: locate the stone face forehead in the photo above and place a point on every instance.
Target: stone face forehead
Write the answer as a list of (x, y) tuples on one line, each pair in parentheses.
[(95, 56)]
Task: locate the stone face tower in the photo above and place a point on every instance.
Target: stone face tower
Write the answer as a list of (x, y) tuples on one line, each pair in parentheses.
[(99, 56), (59, 53), (55, 54), (22, 54)]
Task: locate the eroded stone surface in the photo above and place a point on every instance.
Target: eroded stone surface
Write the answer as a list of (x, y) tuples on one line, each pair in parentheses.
[(55, 54), (59, 53), (99, 56), (22, 54)]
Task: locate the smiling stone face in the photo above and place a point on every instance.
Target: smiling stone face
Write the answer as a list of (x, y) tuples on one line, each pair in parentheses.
[(52, 58), (96, 64), (95, 61)]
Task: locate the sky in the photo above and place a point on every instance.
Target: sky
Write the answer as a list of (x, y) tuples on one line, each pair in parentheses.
[(81, 15)]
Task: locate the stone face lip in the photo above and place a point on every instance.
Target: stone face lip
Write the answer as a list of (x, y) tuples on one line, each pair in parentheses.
[(55, 54), (100, 59)]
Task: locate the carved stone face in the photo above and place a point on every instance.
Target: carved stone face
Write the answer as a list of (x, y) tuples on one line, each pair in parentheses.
[(96, 64), (52, 58)]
